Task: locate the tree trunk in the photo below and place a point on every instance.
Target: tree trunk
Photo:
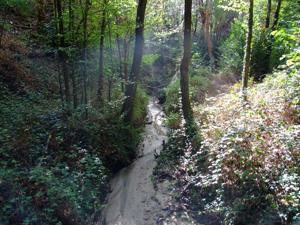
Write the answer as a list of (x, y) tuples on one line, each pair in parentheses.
[(121, 62), (126, 57), (185, 63), (131, 86), (269, 8), (205, 12), (208, 38), (101, 54), (62, 54), (273, 28), (41, 14), (276, 15), (247, 57), (72, 63), (111, 76), (85, 58), (74, 85)]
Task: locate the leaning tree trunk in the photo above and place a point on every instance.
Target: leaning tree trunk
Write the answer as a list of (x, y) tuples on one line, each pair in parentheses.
[(184, 68), (101, 55), (130, 91), (246, 67)]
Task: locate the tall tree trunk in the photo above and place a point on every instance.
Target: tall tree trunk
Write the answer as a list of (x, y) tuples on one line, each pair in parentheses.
[(72, 74), (121, 62), (131, 86), (101, 53), (185, 63), (74, 85), (273, 28), (205, 12), (126, 57), (111, 76), (269, 8), (85, 39), (247, 57), (41, 14), (208, 38), (62, 54), (276, 15)]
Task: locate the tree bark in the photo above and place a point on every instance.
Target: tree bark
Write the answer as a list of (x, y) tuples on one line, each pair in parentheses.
[(247, 57), (131, 86), (185, 63), (101, 53)]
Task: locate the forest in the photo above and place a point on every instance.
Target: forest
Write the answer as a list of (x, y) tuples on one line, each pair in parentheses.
[(144, 112)]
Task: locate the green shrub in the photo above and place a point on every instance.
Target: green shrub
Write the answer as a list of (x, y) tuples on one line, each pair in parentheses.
[(199, 86), (232, 49), (172, 98)]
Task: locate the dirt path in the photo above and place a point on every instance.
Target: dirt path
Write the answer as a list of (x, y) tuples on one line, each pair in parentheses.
[(133, 200)]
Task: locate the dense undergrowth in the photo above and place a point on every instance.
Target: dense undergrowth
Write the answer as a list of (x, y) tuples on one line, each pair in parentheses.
[(55, 170), (246, 169)]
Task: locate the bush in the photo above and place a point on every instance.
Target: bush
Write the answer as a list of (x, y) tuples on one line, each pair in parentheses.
[(199, 87)]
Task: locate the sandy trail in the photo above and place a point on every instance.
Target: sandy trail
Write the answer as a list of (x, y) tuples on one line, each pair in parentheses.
[(133, 200)]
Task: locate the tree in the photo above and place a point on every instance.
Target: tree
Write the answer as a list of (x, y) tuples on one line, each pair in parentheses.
[(184, 67), (206, 17), (131, 86), (101, 52), (84, 54), (269, 8), (61, 52), (273, 28), (247, 56)]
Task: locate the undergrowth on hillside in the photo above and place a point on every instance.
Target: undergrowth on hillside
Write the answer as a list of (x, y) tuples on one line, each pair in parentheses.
[(55, 170), (246, 169)]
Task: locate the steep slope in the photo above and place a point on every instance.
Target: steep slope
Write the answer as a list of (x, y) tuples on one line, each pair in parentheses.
[(246, 168)]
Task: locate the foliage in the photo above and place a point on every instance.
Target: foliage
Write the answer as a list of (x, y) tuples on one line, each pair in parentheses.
[(20, 7), (170, 155), (172, 98), (231, 50), (174, 120), (140, 106), (246, 170)]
